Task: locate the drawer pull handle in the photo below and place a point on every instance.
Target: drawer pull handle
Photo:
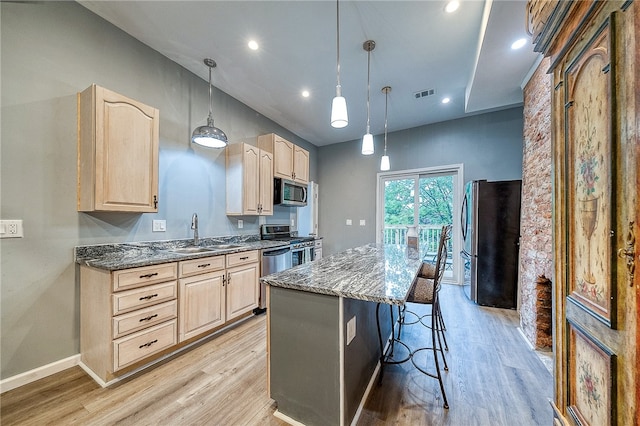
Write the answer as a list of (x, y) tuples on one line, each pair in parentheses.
[(204, 265), (244, 258), (149, 275), (149, 297), (150, 317), (148, 344)]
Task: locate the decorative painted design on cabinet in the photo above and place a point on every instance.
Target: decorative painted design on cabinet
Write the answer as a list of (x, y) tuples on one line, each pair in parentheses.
[(589, 142)]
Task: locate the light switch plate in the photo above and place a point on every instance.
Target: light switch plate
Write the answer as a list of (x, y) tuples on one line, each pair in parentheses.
[(351, 329), (159, 225), (348, 222), (11, 229), (362, 222)]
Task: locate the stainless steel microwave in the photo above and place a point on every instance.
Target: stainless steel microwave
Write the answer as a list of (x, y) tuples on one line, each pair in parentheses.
[(289, 193)]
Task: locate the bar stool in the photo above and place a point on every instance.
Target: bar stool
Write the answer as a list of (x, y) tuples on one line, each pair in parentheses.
[(425, 291)]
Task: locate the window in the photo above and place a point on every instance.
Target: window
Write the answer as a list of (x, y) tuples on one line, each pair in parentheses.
[(427, 199)]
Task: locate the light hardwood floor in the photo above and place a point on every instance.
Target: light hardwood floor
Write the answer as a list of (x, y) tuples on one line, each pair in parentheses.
[(493, 379)]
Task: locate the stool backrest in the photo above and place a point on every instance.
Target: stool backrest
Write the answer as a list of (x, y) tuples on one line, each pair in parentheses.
[(441, 261)]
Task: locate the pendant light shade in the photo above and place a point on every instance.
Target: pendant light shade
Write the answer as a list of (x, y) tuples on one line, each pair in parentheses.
[(339, 116), (209, 135), (385, 164), (367, 144), (367, 139)]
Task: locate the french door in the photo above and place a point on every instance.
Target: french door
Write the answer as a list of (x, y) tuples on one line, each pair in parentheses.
[(426, 199)]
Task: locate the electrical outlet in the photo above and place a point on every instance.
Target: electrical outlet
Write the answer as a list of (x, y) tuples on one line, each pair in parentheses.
[(293, 223), (240, 223), (362, 222), (349, 222), (159, 225), (11, 229), (351, 329)]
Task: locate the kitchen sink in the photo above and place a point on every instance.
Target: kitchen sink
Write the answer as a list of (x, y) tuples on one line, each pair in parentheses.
[(223, 246), (191, 250)]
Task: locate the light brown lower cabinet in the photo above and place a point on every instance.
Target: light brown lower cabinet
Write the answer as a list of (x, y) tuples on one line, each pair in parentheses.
[(202, 299), (132, 317)]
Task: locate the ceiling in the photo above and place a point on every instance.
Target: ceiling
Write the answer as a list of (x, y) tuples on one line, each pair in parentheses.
[(464, 55)]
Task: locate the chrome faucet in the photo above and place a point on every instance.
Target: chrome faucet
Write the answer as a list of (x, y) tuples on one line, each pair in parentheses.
[(194, 226)]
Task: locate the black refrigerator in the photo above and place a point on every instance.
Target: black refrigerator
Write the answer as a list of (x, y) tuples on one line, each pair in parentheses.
[(491, 231)]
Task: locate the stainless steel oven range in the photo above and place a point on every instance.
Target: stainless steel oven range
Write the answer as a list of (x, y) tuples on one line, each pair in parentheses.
[(301, 247)]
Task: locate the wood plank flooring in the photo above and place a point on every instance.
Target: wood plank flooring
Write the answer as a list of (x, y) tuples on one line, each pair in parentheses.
[(493, 379)]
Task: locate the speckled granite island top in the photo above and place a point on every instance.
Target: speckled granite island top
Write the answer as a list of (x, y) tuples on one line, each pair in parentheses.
[(375, 272), (113, 257)]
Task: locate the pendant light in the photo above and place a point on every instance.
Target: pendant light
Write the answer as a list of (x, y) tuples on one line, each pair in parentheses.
[(367, 139), (209, 135), (384, 162), (339, 116)]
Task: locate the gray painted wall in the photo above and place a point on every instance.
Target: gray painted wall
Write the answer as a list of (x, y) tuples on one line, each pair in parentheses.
[(49, 52), (489, 146), (52, 50)]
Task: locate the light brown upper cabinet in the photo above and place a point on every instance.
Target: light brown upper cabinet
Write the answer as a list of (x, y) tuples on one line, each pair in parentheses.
[(289, 160), (249, 180), (117, 153)]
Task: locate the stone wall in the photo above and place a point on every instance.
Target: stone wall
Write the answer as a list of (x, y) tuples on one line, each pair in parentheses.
[(536, 252)]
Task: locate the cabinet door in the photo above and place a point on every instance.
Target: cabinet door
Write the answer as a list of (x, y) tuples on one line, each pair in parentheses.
[(266, 183), (283, 158), (118, 167), (202, 300), (251, 178), (301, 165), (242, 290)]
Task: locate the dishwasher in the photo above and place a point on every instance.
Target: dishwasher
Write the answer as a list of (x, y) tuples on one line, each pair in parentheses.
[(273, 260)]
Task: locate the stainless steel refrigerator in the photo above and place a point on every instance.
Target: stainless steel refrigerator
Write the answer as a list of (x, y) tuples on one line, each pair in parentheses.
[(491, 231)]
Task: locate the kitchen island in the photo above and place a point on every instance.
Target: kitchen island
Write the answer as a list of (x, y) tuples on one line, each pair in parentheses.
[(322, 335)]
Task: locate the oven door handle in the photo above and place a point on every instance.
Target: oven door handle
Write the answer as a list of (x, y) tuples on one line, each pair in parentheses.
[(276, 252)]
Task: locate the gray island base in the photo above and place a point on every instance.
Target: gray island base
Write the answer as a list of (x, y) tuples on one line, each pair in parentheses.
[(323, 347)]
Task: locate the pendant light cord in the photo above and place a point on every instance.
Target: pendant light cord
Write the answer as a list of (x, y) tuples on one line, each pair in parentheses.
[(210, 90), (386, 98), (338, 87), (368, 87)]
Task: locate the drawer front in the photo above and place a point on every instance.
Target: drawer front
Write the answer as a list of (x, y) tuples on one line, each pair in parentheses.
[(138, 346), (128, 301), (242, 258), (137, 277), (199, 266), (143, 318)]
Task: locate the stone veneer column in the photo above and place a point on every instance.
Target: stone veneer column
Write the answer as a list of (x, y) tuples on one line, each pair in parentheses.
[(536, 251)]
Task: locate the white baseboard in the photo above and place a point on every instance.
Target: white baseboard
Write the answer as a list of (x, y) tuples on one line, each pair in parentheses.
[(363, 401), (287, 419), (38, 373), (526, 339)]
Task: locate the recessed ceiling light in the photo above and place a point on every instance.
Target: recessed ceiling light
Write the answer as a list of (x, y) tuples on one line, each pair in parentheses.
[(446, 100), (452, 6), (518, 43), (305, 93), (253, 45)]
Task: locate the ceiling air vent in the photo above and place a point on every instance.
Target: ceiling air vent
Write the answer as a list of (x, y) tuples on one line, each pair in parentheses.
[(424, 93)]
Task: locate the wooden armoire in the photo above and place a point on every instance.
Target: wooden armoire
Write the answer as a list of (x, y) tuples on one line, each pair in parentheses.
[(594, 51)]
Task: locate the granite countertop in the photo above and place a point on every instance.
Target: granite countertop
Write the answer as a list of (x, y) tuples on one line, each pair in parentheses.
[(113, 257), (375, 272)]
